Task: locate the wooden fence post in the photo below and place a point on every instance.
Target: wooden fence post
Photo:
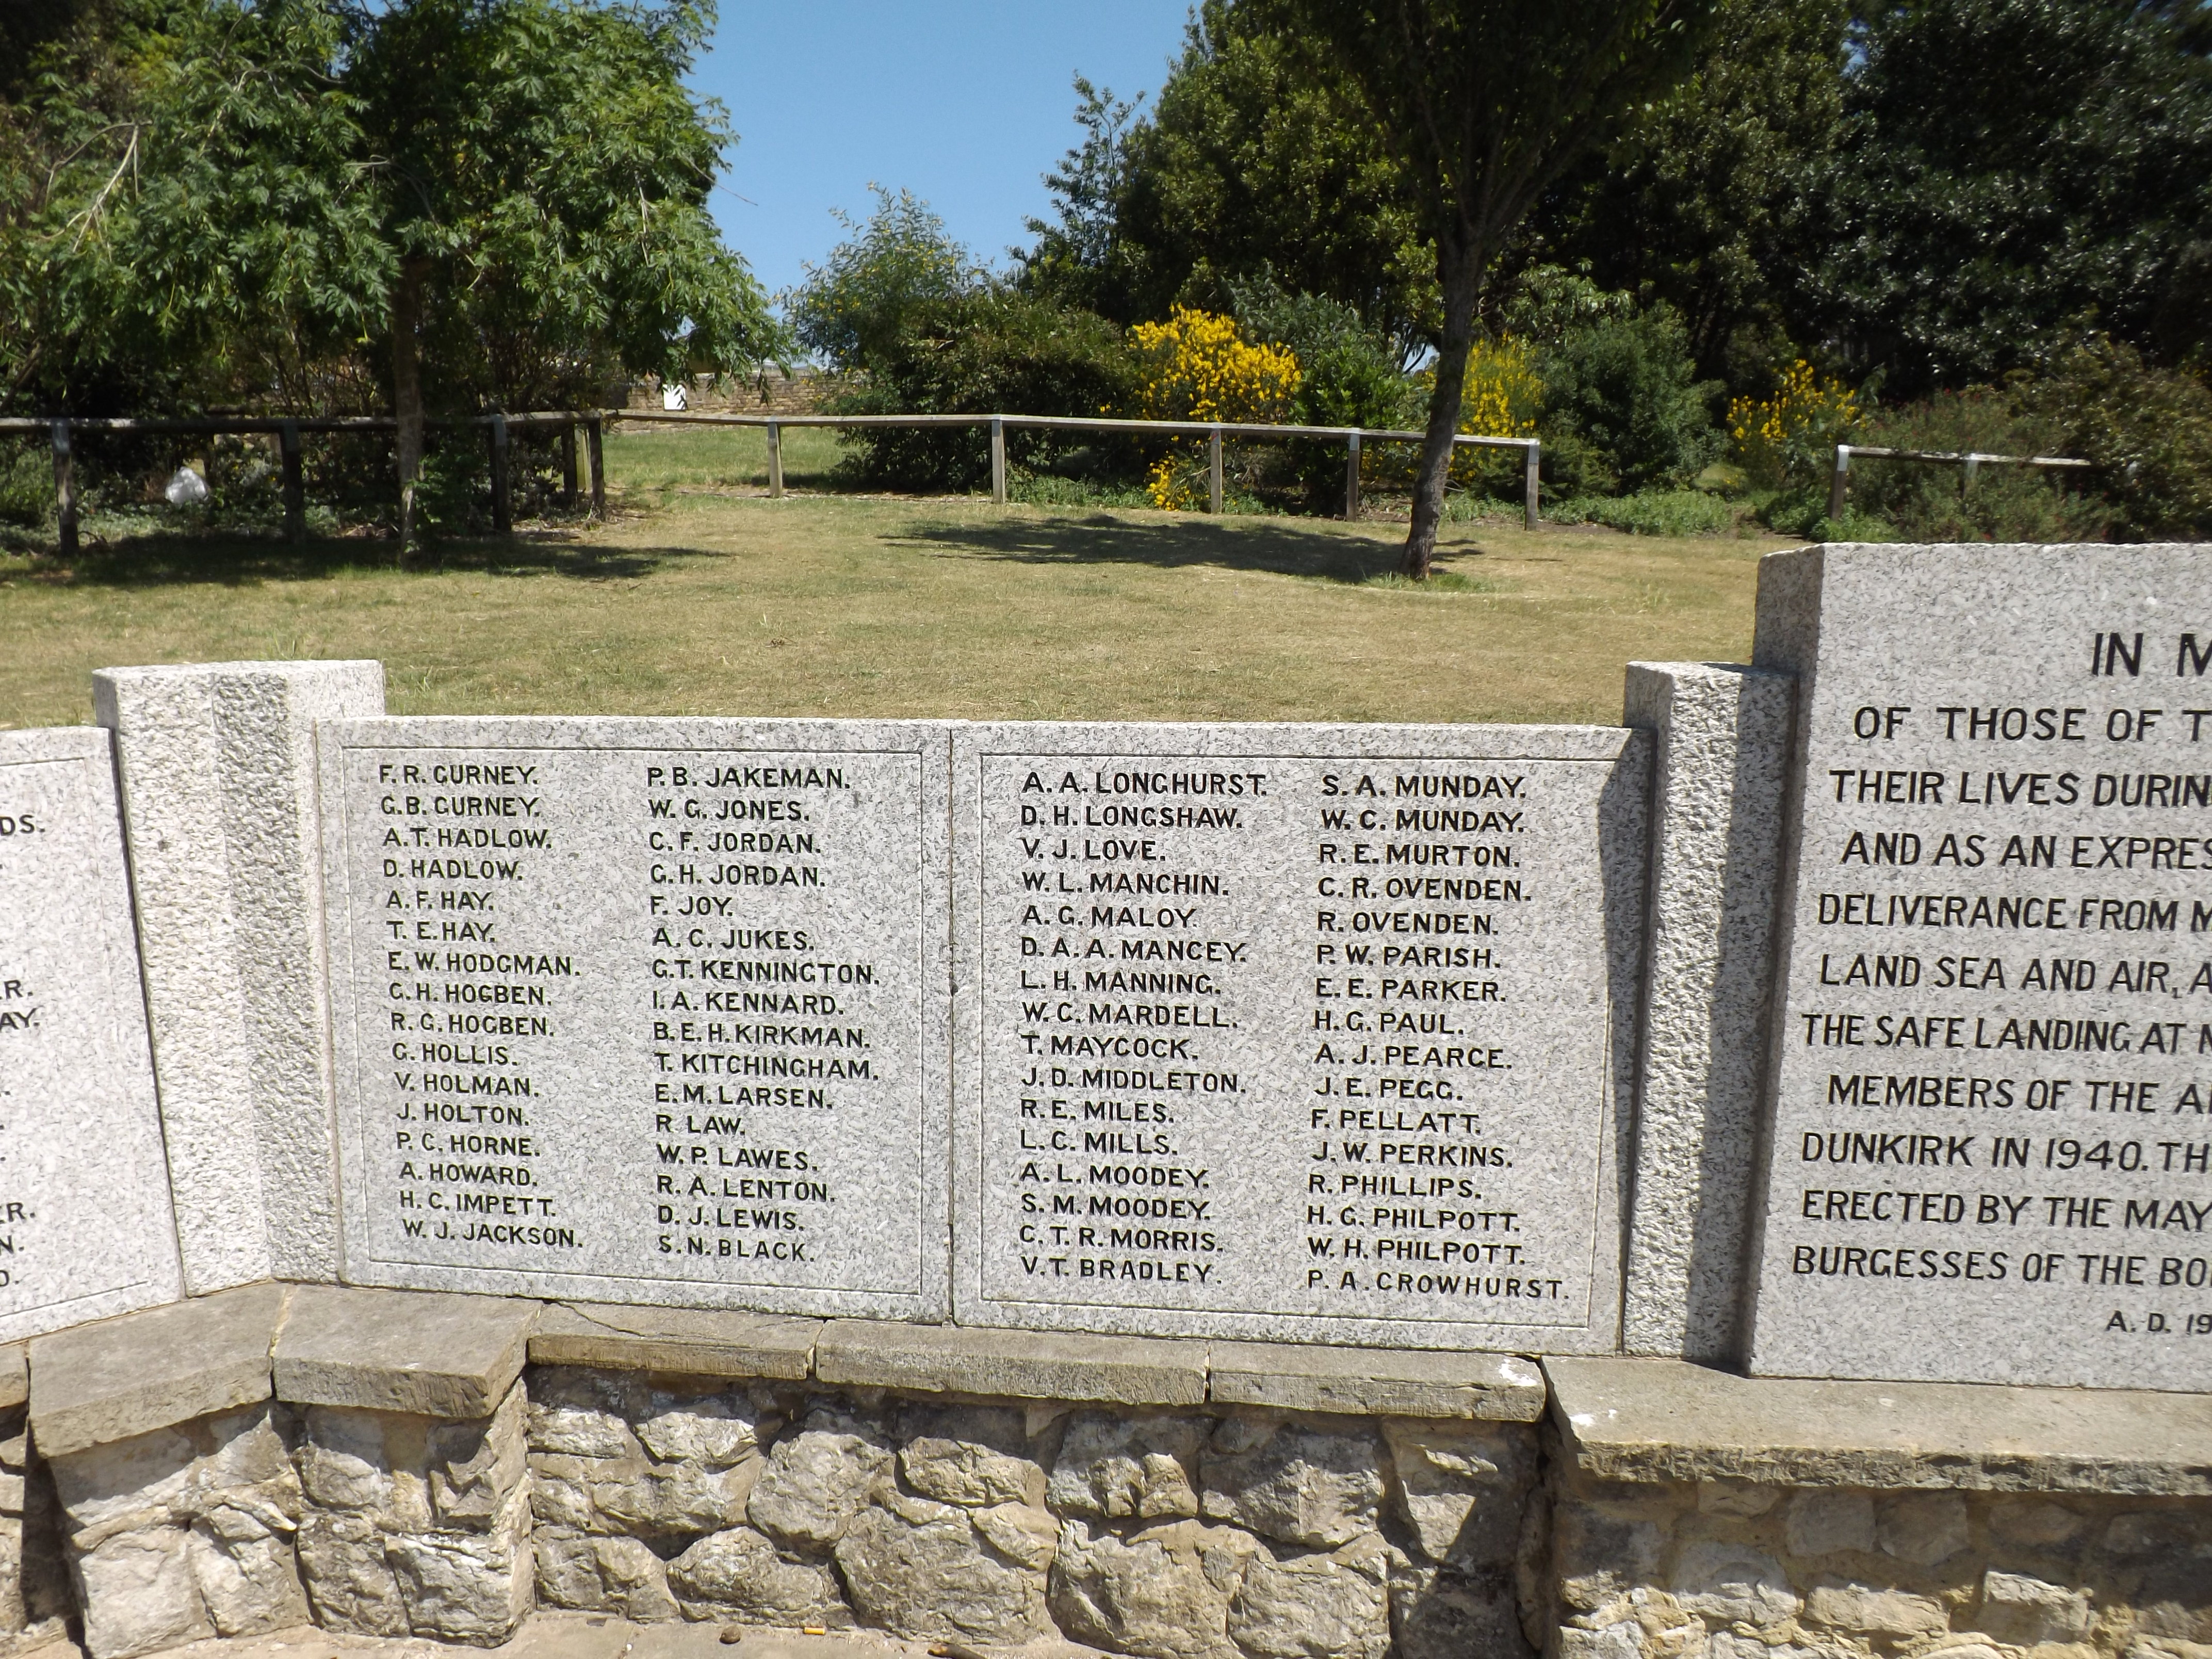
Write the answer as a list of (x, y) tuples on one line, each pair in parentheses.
[(502, 508), (596, 462), (998, 460), (1838, 480), (776, 460), (1213, 471), (1351, 480), (568, 464), (1531, 487), (295, 490), (65, 487)]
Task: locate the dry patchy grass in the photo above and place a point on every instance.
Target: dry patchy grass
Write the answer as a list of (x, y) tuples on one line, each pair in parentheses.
[(703, 597)]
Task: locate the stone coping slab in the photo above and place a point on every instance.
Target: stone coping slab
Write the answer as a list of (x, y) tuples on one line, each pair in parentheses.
[(685, 1341), (1121, 1370), (95, 1384), (433, 1353), (1665, 1419), (1376, 1382)]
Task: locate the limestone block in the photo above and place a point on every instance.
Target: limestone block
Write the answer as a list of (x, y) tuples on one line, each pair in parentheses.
[(1723, 747), (740, 1576), (674, 1499), (713, 1432), (1739, 1500), (138, 1593), (561, 1490), (189, 1527), (601, 1575), (1874, 1610), (1122, 1467), (1023, 1533), (248, 1579), (1461, 1487), (1307, 1378), (1439, 1614), (220, 803), (426, 1353), (1162, 1593), (1733, 1583), (1922, 1528), (345, 1464), (2033, 1522), (464, 1587), (817, 1479), (1314, 1606), (581, 1431), (677, 1342), (1607, 1642), (348, 1578), (1291, 1481), (1602, 1555), (1821, 1522), (974, 1456), (922, 1568), (122, 1377), (473, 1467), (2026, 1611)]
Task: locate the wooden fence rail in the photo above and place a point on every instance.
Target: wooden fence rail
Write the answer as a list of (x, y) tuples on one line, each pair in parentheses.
[(1840, 480), (62, 430)]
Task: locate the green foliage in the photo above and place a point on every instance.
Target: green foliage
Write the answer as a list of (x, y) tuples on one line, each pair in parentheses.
[(2149, 430), (2011, 168), (1350, 372), (1926, 501), (859, 304), (212, 200), (1622, 405), (990, 349), (1650, 512), (1258, 159), (1706, 200)]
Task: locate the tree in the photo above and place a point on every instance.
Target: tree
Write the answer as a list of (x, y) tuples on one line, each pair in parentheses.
[(1257, 161), (1485, 103), (546, 176), (276, 202), (2018, 173), (856, 306), (1706, 200)]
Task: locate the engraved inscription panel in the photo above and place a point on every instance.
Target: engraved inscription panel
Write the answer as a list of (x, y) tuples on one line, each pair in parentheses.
[(646, 1010)]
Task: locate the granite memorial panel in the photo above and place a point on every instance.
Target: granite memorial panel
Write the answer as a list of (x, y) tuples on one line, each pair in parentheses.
[(642, 1011), (1300, 1032), (1990, 1151), (85, 1225)]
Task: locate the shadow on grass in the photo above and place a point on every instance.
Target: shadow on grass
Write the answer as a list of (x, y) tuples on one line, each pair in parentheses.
[(171, 561), (1282, 547)]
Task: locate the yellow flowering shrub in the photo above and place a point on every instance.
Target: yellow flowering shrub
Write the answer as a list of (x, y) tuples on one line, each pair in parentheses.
[(1502, 396), (1791, 437), (1197, 366)]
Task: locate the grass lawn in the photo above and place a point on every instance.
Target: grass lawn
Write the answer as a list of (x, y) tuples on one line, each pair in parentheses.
[(700, 595)]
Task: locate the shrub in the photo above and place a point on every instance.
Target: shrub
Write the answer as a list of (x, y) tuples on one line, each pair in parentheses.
[(858, 305), (1622, 405), (1197, 366), (988, 352), (1652, 512), (27, 485), (1925, 502), (2148, 429), (1788, 441), (1348, 375)]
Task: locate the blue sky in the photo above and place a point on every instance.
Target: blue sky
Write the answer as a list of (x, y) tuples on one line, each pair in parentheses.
[(965, 102)]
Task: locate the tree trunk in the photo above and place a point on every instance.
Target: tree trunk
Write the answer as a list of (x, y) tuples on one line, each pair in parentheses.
[(1459, 273), (407, 387)]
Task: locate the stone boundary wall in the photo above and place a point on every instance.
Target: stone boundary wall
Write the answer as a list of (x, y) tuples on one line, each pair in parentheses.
[(394, 1463)]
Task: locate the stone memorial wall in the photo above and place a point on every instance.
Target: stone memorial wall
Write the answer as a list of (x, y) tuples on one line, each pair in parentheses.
[(1317, 1033), (85, 1224), (642, 1011), (1991, 1145)]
